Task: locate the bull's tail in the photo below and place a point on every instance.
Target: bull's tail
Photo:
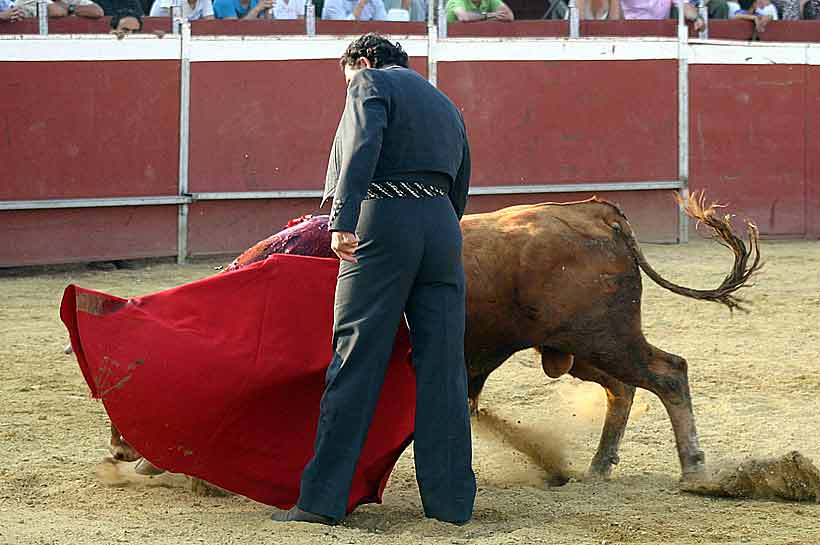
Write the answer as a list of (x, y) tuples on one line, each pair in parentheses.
[(722, 232)]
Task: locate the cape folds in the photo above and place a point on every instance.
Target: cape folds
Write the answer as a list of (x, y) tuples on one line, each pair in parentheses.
[(221, 378)]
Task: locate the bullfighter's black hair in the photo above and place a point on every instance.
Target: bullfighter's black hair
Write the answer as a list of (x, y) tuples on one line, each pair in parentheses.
[(375, 48)]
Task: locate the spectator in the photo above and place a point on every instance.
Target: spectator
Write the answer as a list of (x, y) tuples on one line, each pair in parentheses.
[(9, 12), (355, 10), (478, 10), (599, 9), (760, 12), (288, 9), (61, 8), (241, 9), (416, 8), (663, 9), (126, 21), (192, 10), (790, 10), (717, 9)]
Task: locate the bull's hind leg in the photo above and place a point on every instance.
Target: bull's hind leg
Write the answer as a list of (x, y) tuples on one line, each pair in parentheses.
[(666, 376), (619, 398)]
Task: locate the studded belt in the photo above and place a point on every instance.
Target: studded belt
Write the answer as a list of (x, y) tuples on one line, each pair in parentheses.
[(403, 190)]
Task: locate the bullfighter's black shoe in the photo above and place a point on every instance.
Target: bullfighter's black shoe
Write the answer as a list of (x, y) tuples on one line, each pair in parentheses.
[(294, 514)]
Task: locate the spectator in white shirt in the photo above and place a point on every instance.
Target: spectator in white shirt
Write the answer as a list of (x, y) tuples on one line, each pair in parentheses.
[(355, 10), (61, 8), (288, 9), (192, 10)]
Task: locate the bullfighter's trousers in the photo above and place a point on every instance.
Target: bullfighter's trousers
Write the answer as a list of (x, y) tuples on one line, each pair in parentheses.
[(409, 261)]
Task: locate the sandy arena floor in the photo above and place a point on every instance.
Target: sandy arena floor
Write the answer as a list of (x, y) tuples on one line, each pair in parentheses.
[(755, 382)]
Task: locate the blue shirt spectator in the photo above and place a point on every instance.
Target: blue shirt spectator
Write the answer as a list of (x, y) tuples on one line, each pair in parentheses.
[(236, 9), (359, 10)]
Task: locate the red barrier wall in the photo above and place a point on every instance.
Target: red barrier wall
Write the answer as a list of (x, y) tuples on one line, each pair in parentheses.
[(526, 127), (264, 125), (89, 129), (35, 237), (747, 142), (81, 25), (109, 129), (227, 227)]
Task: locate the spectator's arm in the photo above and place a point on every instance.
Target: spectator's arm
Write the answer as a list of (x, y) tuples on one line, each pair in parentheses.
[(457, 11), (256, 10), (504, 13), (12, 14), (466, 16), (358, 9), (57, 9), (614, 10), (91, 11)]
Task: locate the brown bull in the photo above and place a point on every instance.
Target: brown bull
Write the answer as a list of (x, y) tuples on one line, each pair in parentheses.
[(565, 279)]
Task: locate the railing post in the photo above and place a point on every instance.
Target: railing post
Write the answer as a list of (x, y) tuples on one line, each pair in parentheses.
[(574, 20), (184, 118), (432, 40), (683, 122), (442, 19), (310, 18), (703, 13), (42, 15)]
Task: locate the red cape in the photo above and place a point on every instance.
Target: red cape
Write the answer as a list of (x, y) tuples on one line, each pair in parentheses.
[(221, 378)]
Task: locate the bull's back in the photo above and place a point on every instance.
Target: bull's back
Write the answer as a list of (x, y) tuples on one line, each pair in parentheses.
[(546, 272)]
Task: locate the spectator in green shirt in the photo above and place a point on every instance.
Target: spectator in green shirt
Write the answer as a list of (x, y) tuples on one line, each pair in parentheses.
[(478, 10)]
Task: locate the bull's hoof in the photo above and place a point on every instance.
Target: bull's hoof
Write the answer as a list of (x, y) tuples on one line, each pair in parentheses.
[(694, 476), (695, 469), (144, 467), (601, 467), (124, 453)]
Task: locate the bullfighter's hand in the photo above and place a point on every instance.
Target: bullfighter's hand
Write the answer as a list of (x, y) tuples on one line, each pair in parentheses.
[(344, 245)]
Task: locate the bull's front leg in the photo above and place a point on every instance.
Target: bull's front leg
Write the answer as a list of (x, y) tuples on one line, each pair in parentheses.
[(619, 398)]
